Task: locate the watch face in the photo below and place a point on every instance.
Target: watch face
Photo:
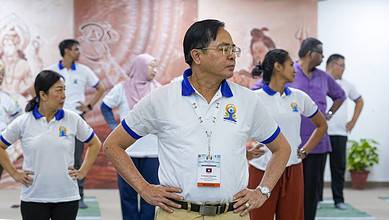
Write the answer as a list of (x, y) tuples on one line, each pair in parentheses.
[(265, 190)]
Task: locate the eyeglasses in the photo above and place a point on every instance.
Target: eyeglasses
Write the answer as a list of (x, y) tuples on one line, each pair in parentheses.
[(226, 49)]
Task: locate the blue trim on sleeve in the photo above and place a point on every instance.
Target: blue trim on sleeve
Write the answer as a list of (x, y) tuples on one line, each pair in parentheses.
[(355, 100), (272, 137), (98, 82), (14, 114), (108, 115), (90, 137), (4, 141), (103, 105), (129, 131), (317, 110)]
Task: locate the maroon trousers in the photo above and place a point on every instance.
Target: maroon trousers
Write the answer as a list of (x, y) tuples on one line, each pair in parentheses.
[(287, 197)]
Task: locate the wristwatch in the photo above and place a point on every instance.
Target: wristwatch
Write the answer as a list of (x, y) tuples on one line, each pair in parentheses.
[(302, 151), (264, 190), (329, 114)]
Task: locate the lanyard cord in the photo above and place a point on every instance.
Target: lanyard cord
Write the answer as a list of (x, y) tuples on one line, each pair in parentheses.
[(208, 131)]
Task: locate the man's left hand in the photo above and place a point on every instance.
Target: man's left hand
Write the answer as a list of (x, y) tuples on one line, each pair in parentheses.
[(247, 200), (349, 126)]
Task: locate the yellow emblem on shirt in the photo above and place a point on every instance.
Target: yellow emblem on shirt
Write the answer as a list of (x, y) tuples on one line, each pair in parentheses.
[(230, 114), (294, 107), (62, 131)]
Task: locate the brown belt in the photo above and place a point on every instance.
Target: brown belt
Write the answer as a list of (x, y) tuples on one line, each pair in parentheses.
[(207, 209)]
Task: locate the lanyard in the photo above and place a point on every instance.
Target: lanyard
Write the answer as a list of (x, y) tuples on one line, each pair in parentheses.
[(207, 130)]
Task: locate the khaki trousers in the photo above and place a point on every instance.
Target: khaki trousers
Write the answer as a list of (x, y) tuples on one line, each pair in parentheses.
[(181, 214)]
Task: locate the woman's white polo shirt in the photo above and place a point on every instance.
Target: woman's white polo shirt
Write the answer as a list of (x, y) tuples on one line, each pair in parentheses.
[(48, 149), (286, 109)]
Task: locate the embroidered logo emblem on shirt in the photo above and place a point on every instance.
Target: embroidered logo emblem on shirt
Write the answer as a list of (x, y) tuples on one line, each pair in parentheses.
[(294, 107), (230, 114), (62, 131), (75, 81)]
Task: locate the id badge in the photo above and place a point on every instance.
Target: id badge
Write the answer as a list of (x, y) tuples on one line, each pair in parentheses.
[(208, 171)]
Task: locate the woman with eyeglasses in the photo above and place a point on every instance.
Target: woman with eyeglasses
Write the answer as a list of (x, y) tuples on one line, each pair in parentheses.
[(286, 105), (47, 133)]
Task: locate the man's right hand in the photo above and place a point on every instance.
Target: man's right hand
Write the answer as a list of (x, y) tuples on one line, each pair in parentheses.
[(162, 196), (23, 177)]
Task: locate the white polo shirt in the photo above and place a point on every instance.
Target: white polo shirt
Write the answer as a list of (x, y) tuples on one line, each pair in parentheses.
[(173, 113), (286, 109), (77, 79), (337, 124), (146, 146), (8, 109), (48, 149)]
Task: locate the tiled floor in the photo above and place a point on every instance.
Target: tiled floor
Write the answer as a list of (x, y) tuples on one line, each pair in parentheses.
[(366, 200)]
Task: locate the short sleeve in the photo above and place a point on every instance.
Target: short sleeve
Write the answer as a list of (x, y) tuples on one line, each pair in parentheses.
[(335, 92), (264, 129), (13, 132), (12, 107), (92, 79), (353, 93), (309, 106), (84, 132), (141, 120), (114, 97)]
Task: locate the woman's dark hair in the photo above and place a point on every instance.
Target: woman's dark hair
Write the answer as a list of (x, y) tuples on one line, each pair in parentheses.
[(199, 35), (43, 82), (266, 68)]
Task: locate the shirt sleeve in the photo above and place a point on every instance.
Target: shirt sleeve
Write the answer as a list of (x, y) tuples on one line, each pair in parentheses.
[(264, 129), (335, 92), (353, 93), (92, 79), (114, 97), (84, 132), (141, 119), (309, 106), (13, 132), (12, 107)]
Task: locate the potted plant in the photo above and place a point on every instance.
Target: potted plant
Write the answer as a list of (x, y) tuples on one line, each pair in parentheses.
[(361, 155)]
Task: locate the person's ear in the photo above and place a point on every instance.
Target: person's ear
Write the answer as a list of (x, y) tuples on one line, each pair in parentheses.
[(43, 96), (196, 55), (278, 67)]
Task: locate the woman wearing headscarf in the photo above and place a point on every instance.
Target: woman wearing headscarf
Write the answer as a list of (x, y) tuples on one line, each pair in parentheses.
[(144, 152)]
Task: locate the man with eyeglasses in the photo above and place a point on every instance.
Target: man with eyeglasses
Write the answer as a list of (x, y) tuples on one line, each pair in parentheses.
[(202, 123), (339, 127), (318, 85)]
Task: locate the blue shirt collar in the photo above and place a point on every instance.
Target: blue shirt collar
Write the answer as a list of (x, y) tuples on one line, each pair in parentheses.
[(60, 66), (58, 115), (270, 91), (188, 90)]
